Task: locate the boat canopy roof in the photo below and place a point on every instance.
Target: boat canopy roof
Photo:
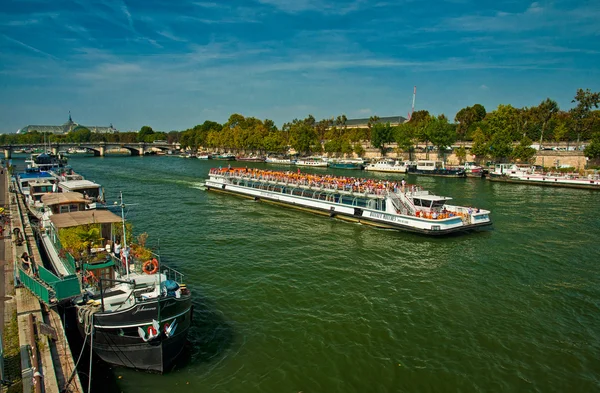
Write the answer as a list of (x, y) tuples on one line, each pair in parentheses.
[(77, 184), (74, 219), (431, 197), (34, 175), (59, 198)]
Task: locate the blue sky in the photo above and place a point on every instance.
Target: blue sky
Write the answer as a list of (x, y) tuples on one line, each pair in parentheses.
[(173, 64)]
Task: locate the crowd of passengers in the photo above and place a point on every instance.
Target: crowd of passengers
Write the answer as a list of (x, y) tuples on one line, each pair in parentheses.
[(354, 184)]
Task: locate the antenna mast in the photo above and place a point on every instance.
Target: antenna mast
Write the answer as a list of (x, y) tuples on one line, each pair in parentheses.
[(413, 103)]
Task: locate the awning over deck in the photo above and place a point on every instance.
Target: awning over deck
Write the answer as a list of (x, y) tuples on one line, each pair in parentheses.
[(59, 198), (74, 219)]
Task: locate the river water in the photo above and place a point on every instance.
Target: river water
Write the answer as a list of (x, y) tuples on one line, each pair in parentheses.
[(288, 301)]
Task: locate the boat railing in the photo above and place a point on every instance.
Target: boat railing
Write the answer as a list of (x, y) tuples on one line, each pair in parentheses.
[(305, 183), (402, 203)]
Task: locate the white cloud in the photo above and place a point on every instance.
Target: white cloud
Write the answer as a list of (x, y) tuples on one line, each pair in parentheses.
[(484, 87)]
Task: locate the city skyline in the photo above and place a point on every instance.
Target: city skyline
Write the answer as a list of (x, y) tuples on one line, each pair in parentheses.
[(174, 65)]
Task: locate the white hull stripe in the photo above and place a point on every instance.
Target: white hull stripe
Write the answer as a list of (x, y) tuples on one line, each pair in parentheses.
[(138, 324)]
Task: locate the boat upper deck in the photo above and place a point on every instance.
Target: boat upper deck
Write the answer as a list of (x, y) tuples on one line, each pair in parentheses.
[(371, 188)]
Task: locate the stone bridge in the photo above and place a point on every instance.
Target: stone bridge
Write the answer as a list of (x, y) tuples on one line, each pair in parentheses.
[(99, 148)]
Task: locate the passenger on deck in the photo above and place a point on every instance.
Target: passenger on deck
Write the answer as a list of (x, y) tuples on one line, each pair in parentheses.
[(26, 262), (117, 248)]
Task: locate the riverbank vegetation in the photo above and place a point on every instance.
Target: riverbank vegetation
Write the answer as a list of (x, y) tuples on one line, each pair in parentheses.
[(506, 133)]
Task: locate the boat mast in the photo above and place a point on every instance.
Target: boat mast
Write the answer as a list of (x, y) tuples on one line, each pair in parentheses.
[(124, 246)]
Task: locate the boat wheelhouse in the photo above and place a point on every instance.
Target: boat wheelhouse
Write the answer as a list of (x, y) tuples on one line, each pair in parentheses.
[(382, 204), (89, 189)]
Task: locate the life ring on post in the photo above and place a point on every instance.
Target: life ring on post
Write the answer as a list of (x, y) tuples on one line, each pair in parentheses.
[(150, 266)]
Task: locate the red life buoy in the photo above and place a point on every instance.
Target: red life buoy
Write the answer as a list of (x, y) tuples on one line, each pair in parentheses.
[(150, 266), (152, 331)]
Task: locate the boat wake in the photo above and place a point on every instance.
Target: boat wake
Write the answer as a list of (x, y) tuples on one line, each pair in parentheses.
[(198, 185)]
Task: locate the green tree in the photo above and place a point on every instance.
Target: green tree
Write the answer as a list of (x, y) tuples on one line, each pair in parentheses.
[(586, 100), (523, 152), (144, 132), (543, 113), (441, 133), (461, 154), (303, 138), (359, 150), (404, 135), (501, 145), (380, 135), (481, 145), (79, 135), (592, 150)]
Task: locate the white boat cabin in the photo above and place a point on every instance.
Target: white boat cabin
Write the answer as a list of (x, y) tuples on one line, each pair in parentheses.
[(88, 188), (429, 165)]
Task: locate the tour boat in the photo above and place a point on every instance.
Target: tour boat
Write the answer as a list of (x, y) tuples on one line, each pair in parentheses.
[(132, 310), (316, 162), (528, 174), (204, 156), (346, 163), (435, 168), (383, 204), (388, 165)]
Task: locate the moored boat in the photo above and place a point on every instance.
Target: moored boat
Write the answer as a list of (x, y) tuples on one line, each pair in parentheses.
[(279, 160), (224, 156), (316, 162), (382, 204), (132, 309), (435, 168), (473, 170), (250, 158), (388, 165), (528, 174), (346, 163)]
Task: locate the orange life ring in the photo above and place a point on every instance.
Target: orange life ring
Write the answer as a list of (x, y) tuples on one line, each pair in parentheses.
[(150, 266)]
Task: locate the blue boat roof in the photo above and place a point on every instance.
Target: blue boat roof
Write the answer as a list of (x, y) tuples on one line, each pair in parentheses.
[(34, 175)]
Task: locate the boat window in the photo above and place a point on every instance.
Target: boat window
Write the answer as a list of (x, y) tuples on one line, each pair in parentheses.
[(417, 202), (360, 202), (438, 204)]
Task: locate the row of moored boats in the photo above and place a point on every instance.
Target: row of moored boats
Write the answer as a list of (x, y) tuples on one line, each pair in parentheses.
[(131, 308)]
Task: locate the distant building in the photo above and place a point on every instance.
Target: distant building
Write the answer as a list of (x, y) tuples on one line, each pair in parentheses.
[(364, 123), (67, 127)]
